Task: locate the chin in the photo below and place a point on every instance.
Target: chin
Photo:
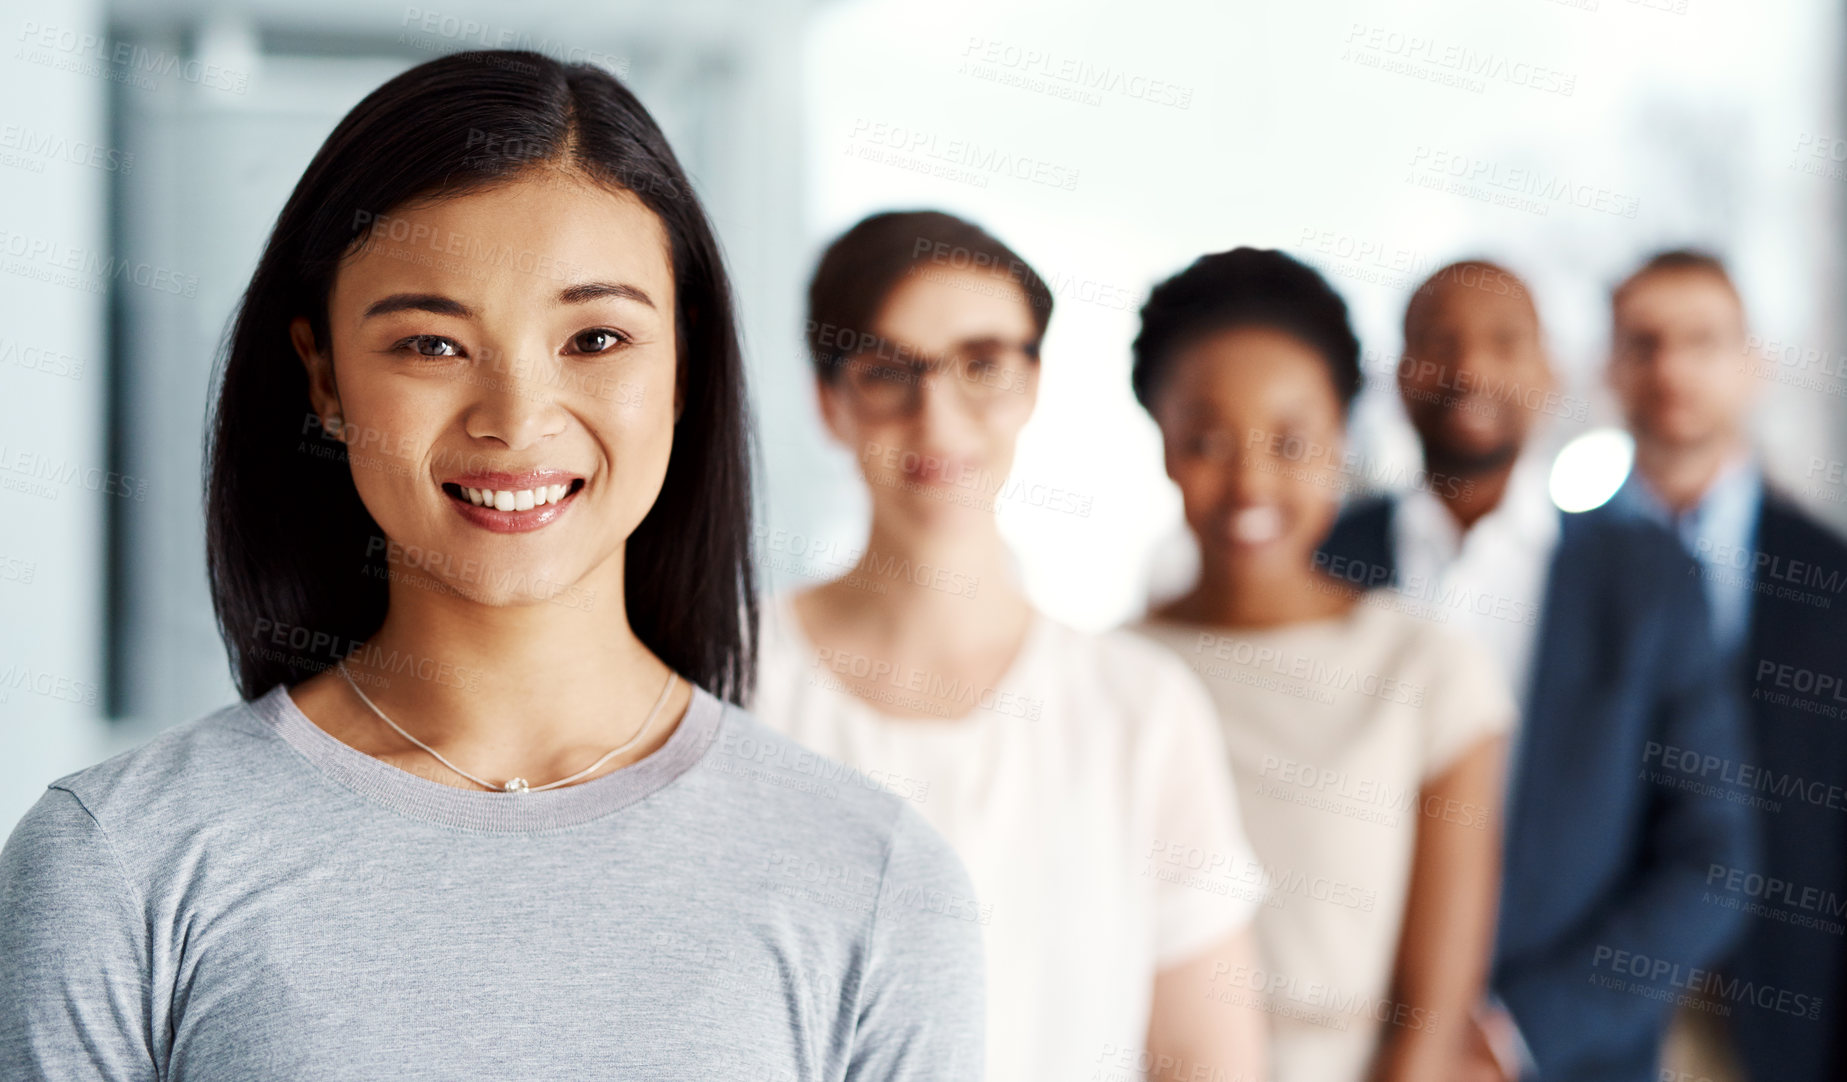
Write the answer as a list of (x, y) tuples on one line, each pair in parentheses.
[(1259, 555), (1682, 432), (950, 507)]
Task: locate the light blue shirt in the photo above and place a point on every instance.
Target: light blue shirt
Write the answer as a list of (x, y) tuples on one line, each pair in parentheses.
[(1720, 532)]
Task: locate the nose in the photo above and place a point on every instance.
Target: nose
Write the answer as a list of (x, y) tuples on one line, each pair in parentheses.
[(515, 398), (1250, 475), (943, 414), (1681, 360), (1471, 365)]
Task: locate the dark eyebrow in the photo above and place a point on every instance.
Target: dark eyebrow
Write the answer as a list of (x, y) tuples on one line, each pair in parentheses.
[(590, 291), (418, 302), (988, 343), (445, 306)]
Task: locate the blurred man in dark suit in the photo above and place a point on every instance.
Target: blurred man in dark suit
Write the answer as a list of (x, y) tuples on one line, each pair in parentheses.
[(1682, 367), (1605, 914)]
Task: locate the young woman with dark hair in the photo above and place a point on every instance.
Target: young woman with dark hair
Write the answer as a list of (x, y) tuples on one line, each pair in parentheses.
[(478, 518), (1366, 741), (1079, 776)]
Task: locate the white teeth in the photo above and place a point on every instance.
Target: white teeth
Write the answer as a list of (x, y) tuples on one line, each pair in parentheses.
[(1256, 525), (520, 500)]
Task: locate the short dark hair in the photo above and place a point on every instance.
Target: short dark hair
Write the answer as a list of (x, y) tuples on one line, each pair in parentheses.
[(1674, 260), (862, 267), (1244, 287), (289, 543)]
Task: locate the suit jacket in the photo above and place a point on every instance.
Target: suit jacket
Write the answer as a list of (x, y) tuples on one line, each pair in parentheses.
[(1793, 667), (1605, 917)]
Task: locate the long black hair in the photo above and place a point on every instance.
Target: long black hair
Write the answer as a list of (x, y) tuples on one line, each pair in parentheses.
[(297, 574)]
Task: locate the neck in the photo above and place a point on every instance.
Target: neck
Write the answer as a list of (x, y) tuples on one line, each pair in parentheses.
[(931, 584), (1681, 476), (1477, 495), (538, 689), (1229, 595)]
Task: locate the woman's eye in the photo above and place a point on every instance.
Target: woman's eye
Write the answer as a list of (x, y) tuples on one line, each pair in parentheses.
[(596, 340), (430, 345)]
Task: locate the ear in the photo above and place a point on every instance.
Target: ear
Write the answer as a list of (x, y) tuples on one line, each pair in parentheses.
[(323, 393)]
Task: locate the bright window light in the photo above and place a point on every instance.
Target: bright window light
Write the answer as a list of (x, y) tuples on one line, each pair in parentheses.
[(1589, 470)]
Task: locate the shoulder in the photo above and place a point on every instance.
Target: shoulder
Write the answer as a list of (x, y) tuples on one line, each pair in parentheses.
[(1786, 528), (1134, 689), (1627, 559), (1384, 624), (1137, 668), (150, 802), (209, 761), (1799, 573), (1449, 677), (808, 815), (1632, 588), (1618, 540), (769, 779)]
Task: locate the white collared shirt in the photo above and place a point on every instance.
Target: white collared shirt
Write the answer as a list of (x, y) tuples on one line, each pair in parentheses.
[(1489, 583)]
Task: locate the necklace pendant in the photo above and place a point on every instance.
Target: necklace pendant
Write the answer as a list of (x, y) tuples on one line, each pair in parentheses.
[(515, 785)]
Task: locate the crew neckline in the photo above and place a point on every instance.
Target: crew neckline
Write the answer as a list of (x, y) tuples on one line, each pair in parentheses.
[(1038, 633), (477, 809), (1336, 622)]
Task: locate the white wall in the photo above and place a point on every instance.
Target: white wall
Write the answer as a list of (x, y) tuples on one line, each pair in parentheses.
[(1195, 126), (53, 391)]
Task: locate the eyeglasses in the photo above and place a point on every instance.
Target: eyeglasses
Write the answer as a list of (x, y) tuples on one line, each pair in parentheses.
[(883, 385)]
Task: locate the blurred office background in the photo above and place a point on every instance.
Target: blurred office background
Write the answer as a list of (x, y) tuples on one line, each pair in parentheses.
[(146, 146)]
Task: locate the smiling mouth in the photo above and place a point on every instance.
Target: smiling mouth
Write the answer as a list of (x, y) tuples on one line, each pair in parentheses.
[(521, 499), (1254, 525)]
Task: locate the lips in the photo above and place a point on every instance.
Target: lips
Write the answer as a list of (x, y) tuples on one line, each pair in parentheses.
[(507, 502), (938, 469)]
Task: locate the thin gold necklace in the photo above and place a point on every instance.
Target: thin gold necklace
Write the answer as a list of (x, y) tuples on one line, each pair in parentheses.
[(517, 785)]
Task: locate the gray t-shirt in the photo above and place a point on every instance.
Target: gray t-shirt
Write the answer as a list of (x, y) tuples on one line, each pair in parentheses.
[(245, 897)]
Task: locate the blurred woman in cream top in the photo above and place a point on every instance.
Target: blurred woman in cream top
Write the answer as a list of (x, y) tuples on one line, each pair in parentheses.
[(1080, 777), (1366, 740)]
